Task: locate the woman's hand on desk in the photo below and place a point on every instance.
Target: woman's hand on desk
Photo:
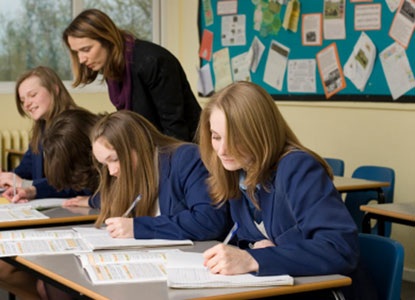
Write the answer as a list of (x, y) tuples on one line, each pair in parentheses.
[(81, 201), (229, 260), (120, 227)]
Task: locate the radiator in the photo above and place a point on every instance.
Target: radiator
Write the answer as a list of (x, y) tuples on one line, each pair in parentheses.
[(14, 140)]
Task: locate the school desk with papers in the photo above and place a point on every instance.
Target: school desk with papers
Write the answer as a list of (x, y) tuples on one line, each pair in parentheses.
[(186, 270), (65, 272), (179, 269), (39, 204), (19, 213), (111, 267), (77, 239)]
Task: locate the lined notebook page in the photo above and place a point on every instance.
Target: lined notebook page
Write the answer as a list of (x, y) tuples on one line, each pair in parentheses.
[(186, 270)]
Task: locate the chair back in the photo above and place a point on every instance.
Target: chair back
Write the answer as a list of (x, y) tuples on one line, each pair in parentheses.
[(383, 259), (353, 200), (337, 165)]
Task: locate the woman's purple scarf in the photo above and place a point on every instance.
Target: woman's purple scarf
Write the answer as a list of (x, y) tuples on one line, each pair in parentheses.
[(120, 91)]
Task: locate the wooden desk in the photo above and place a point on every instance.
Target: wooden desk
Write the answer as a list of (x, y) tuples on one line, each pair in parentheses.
[(349, 184), (402, 213), (57, 216), (64, 271)]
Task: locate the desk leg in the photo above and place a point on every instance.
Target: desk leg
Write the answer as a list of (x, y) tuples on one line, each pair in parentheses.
[(381, 195), (366, 223), (366, 226)]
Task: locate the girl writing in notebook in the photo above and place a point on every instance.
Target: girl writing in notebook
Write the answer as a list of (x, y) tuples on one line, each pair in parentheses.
[(136, 161), (134, 158), (291, 218)]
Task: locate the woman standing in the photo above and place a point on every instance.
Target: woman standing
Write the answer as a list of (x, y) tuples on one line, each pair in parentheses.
[(141, 76)]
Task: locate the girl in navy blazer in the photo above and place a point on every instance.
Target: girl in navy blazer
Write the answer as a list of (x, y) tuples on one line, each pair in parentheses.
[(41, 96), (291, 218), (133, 159)]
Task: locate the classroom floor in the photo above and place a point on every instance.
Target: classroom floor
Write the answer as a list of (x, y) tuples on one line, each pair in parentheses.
[(408, 292)]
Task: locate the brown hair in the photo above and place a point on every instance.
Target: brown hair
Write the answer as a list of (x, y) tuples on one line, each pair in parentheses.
[(138, 145), (61, 100), (68, 151), (255, 127), (96, 25)]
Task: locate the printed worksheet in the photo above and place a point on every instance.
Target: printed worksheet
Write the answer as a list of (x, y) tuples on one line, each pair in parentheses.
[(301, 76), (359, 66), (334, 19), (233, 30), (397, 70), (276, 65), (403, 23)]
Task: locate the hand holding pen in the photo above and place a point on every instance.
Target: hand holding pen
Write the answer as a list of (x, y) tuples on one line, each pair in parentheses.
[(231, 233), (229, 260), (122, 227)]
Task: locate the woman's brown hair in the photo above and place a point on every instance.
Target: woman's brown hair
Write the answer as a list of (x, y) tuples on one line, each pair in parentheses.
[(96, 25)]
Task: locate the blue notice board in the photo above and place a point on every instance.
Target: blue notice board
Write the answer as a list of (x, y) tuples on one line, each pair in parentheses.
[(376, 88)]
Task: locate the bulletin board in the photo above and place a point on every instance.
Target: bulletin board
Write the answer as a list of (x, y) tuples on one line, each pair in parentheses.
[(376, 88)]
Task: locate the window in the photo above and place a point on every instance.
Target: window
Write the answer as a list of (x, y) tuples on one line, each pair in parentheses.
[(31, 30)]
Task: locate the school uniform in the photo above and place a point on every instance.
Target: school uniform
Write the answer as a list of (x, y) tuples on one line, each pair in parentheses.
[(303, 214), (185, 208)]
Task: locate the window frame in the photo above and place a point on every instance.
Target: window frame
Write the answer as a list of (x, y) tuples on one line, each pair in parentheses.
[(7, 87)]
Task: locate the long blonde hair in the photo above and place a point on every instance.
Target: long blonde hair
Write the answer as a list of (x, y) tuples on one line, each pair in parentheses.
[(255, 128), (138, 145), (61, 100)]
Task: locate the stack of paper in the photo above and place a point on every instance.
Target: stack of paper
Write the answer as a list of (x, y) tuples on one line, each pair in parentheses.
[(117, 267), (19, 213), (81, 239), (35, 242), (99, 239), (38, 204)]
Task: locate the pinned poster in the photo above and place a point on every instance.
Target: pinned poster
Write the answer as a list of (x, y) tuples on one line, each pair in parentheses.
[(292, 15), (331, 72), (359, 66), (334, 19), (276, 65), (397, 70), (205, 50), (403, 23)]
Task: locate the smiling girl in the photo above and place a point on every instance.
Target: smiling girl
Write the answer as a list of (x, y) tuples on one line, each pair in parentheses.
[(41, 96)]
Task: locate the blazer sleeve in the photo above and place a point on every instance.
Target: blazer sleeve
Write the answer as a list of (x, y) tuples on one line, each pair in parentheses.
[(320, 236), (24, 169), (185, 205)]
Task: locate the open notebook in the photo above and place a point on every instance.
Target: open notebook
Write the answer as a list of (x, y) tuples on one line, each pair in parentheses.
[(186, 270), (38, 204)]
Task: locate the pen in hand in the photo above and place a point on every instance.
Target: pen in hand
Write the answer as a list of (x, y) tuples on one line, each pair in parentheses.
[(231, 233), (14, 185), (132, 206)]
